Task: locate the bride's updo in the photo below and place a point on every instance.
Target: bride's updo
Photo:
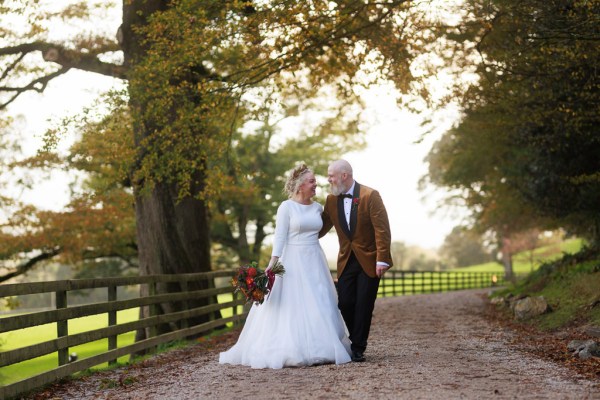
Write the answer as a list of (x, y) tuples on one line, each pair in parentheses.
[(296, 177)]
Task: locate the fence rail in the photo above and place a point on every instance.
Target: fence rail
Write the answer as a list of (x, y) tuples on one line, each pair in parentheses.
[(63, 313), (401, 283), (395, 283)]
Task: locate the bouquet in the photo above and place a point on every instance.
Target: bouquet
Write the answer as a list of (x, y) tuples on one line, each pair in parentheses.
[(254, 283)]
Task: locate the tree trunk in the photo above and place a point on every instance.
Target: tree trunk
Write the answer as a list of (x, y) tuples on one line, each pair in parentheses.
[(507, 260), (508, 267), (172, 236)]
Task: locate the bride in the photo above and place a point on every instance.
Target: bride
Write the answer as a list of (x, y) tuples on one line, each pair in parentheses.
[(299, 324)]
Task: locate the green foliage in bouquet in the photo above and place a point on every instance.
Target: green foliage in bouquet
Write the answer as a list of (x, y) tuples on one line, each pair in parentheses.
[(254, 283)]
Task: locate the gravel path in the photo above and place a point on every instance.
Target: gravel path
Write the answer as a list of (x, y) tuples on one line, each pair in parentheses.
[(421, 347)]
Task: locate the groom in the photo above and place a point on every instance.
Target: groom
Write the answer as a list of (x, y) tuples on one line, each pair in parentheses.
[(361, 222)]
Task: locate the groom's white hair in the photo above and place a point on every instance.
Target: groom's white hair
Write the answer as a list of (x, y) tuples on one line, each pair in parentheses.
[(342, 166)]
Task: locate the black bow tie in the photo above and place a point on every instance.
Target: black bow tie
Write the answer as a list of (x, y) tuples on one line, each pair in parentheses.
[(345, 195)]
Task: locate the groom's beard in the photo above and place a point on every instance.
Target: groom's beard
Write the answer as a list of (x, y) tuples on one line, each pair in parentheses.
[(336, 190)]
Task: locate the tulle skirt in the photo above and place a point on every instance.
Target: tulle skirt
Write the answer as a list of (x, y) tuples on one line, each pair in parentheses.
[(299, 324)]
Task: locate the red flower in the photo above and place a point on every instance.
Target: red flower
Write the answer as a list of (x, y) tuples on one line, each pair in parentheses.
[(255, 284)]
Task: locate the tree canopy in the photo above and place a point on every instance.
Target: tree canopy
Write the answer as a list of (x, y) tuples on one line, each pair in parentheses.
[(463, 247), (99, 221), (195, 70), (525, 153)]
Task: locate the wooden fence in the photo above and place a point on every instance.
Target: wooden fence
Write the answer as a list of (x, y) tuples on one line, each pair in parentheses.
[(401, 283), (396, 283), (63, 313)]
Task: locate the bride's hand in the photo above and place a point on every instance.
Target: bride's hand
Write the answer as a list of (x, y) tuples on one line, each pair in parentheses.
[(272, 262)]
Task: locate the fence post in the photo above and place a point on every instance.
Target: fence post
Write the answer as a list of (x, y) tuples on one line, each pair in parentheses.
[(62, 327), (403, 288), (153, 309), (112, 321), (186, 304), (429, 281)]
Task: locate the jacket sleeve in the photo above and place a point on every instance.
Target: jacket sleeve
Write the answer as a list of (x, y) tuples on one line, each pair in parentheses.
[(381, 226), (327, 223)]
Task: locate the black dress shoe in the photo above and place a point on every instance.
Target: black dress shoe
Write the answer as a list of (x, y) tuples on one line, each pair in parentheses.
[(357, 356)]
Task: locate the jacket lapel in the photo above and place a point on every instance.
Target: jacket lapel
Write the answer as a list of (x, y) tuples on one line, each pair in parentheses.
[(342, 217)]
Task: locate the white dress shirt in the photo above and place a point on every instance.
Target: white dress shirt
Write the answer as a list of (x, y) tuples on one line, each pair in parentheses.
[(348, 203)]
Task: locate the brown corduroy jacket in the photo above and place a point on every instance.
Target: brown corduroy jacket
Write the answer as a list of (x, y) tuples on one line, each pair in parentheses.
[(369, 235)]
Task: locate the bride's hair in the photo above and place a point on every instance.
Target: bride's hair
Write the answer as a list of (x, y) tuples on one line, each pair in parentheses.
[(295, 178)]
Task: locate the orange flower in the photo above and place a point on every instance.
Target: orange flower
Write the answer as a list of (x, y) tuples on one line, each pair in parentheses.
[(258, 295)]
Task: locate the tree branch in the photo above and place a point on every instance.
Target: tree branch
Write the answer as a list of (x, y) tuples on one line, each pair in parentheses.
[(70, 58), (84, 61), (12, 66), (26, 266), (62, 56), (38, 85)]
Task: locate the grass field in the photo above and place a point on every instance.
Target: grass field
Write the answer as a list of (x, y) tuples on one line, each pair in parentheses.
[(37, 334), (524, 263), (569, 285), (453, 279), (432, 282), (42, 333)]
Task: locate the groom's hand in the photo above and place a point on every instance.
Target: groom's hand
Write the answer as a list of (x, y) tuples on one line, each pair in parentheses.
[(380, 270)]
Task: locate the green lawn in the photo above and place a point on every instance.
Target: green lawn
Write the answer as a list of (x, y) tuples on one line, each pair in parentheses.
[(430, 282), (42, 333), (425, 282), (524, 263), (569, 285)]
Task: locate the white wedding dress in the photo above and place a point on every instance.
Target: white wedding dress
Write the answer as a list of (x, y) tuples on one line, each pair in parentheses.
[(299, 323)]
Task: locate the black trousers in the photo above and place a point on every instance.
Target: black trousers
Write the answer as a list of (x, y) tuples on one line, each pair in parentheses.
[(357, 293)]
